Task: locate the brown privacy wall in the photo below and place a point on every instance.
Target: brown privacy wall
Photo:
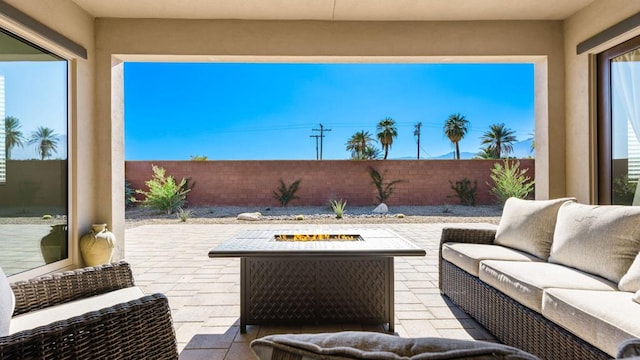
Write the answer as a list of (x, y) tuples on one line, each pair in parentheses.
[(426, 182), (34, 183)]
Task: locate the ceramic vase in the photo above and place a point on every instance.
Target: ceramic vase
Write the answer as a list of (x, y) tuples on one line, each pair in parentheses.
[(54, 245), (97, 245)]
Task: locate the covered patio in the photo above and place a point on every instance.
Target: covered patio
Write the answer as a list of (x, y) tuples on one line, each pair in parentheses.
[(204, 293)]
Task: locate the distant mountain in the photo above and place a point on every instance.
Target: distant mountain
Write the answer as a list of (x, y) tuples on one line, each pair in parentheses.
[(521, 150)]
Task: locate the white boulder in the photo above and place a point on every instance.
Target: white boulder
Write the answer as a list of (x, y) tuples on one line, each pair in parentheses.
[(381, 209), (254, 216)]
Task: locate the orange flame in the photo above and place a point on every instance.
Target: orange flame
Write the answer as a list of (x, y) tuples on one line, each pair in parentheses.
[(315, 237)]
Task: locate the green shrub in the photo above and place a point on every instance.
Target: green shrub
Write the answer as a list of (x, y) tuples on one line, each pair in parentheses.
[(299, 217), (623, 190), (464, 191), (164, 194), (400, 216), (285, 193), (338, 207), (384, 190), (510, 181)]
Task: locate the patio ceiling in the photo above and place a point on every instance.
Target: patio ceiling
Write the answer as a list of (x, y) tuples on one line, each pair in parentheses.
[(356, 10)]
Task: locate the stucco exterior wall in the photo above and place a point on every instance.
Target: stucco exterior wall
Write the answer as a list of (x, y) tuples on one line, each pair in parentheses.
[(242, 183), (66, 18), (539, 42), (581, 144)]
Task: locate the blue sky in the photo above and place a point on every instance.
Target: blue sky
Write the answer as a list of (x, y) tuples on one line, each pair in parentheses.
[(35, 93), (232, 111)]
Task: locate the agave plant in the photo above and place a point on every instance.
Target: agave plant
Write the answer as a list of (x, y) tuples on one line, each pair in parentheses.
[(338, 207)]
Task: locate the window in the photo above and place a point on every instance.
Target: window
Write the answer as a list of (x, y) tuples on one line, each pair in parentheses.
[(619, 124), (33, 158)]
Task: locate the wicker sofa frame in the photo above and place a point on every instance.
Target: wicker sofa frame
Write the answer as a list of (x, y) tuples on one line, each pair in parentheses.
[(510, 322), (139, 329)]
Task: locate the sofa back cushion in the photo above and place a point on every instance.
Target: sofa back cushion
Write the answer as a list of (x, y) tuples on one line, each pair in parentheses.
[(7, 304), (528, 225), (601, 240)]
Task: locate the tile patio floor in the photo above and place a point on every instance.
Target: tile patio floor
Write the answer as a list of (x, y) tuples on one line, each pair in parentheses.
[(204, 293)]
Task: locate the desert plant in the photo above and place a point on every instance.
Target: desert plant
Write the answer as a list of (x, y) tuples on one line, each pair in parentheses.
[(129, 193), (199, 158), (285, 193), (510, 181), (384, 189), (464, 191), (164, 193), (184, 215), (338, 207)]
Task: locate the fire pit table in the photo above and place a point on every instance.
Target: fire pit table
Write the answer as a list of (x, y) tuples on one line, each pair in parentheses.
[(338, 276)]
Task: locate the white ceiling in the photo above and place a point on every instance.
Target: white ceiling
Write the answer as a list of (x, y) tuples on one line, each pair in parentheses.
[(366, 10)]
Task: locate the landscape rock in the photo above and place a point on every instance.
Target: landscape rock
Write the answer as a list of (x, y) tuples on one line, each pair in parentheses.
[(254, 216), (381, 209)]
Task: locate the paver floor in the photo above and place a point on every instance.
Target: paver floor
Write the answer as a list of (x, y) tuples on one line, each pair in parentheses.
[(204, 293)]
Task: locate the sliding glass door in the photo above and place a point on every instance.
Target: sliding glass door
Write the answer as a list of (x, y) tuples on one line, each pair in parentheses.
[(619, 124)]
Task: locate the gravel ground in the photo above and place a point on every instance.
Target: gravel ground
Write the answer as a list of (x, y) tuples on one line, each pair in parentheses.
[(319, 214)]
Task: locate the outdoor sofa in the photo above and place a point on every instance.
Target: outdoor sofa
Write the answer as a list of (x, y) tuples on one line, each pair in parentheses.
[(90, 313), (557, 279)]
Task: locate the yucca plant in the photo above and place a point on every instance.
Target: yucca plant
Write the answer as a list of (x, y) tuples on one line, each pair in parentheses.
[(285, 193), (338, 207)]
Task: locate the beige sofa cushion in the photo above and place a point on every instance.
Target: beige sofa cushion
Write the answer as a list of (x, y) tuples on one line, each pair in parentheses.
[(636, 297), (7, 304), (468, 256), (528, 225), (525, 282), (68, 310), (601, 318), (601, 240)]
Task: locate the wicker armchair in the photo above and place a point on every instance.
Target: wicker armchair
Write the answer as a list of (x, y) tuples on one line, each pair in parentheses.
[(138, 329)]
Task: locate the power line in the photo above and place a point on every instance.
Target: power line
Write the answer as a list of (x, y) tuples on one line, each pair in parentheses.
[(321, 136)]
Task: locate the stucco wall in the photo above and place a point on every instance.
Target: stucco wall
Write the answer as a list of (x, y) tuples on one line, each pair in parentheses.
[(65, 17), (240, 183), (580, 114)]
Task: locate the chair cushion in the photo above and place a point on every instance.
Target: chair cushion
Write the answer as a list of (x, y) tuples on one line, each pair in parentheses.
[(602, 318), (468, 256), (68, 310), (525, 282), (370, 345), (601, 240), (7, 304), (528, 225)]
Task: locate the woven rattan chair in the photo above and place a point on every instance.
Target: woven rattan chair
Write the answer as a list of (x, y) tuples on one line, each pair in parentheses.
[(137, 329)]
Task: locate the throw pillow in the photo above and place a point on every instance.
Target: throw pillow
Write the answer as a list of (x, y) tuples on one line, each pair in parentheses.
[(370, 345), (7, 304), (631, 280), (601, 240), (528, 225)]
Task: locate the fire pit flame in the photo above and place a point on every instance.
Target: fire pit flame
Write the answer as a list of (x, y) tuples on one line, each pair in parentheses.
[(316, 237)]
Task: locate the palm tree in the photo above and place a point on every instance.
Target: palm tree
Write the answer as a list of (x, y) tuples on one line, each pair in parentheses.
[(499, 140), (46, 141), (358, 143), (371, 153), (455, 128), (386, 132), (485, 153), (12, 134)]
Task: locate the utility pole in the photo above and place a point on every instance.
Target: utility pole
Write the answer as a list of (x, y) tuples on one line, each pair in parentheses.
[(316, 136), (416, 132), (321, 136)]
